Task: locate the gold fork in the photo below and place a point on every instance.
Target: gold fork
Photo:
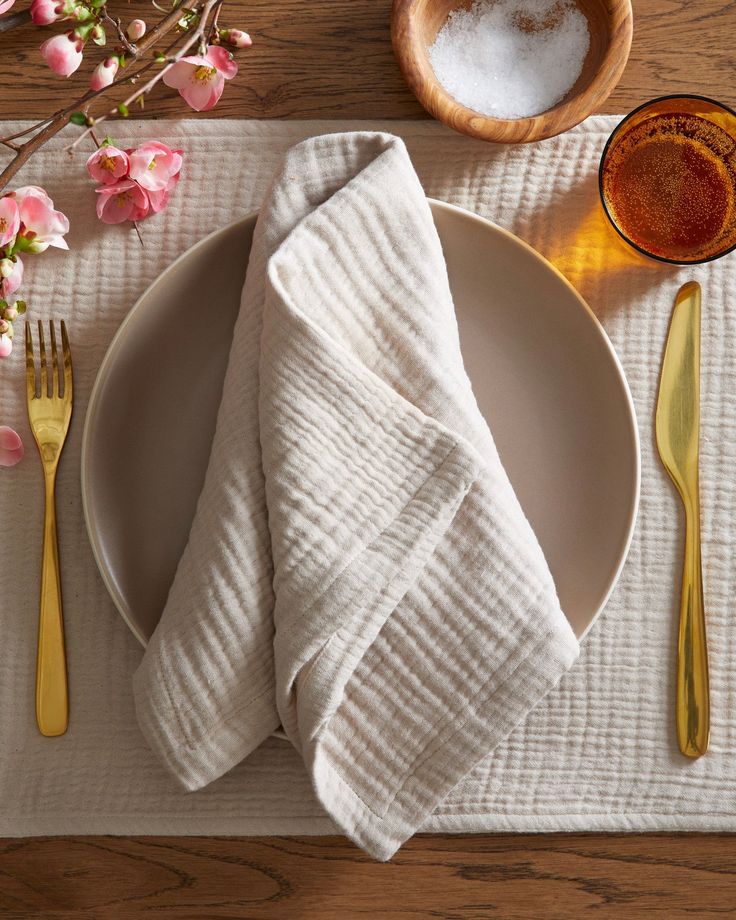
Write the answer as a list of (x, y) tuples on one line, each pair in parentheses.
[(49, 412)]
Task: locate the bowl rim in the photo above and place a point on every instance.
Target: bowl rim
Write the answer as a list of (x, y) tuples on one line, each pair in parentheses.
[(556, 120), (650, 255)]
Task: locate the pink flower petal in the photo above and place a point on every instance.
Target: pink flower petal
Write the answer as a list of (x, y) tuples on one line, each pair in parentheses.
[(222, 59), (9, 219), (124, 201), (38, 215), (108, 165), (11, 446), (202, 95), (180, 75)]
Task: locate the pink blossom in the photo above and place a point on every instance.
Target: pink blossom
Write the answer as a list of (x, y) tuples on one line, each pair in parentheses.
[(6, 345), (200, 80), (108, 164), (153, 165), (44, 12), (43, 226), (104, 73), (125, 200), (136, 30), (63, 53), (11, 276), (11, 446), (236, 37), (5, 5), (159, 200), (9, 220)]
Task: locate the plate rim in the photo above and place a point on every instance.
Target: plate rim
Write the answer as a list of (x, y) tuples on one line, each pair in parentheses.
[(120, 336)]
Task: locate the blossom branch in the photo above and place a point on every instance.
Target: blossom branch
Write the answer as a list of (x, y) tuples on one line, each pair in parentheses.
[(196, 36), (49, 127), (13, 20)]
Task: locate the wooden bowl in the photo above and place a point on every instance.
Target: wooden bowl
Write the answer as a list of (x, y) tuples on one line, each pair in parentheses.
[(414, 27)]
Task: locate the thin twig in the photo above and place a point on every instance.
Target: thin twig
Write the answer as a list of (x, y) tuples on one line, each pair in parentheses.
[(39, 124), (213, 27), (117, 25)]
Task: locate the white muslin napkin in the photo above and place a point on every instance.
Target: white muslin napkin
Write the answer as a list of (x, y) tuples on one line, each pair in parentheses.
[(359, 570)]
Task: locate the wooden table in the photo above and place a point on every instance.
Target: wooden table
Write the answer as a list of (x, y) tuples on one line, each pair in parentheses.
[(332, 58)]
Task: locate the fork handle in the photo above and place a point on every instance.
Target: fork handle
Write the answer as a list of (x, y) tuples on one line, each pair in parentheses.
[(693, 697), (52, 705)]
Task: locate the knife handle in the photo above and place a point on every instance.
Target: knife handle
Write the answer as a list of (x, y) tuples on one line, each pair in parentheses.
[(693, 696)]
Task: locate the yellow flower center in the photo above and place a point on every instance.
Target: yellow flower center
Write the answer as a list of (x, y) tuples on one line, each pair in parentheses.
[(107, 163), (204, 73), (152, 164), (3, 225), (122, 199)]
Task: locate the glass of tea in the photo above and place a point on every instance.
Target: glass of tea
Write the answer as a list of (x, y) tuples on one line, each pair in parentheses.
[(668, 179)]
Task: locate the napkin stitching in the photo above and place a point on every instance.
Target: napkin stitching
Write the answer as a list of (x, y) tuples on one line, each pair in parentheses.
[(192, 739), (429, 751), (431, 748)]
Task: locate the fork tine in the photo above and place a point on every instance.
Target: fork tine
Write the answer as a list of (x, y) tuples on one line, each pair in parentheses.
[(54, 361), (42, 361), (30, 366), (67, 354)]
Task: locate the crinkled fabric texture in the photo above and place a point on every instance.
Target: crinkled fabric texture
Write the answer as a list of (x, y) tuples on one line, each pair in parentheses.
[(599, 752), (359, 569)]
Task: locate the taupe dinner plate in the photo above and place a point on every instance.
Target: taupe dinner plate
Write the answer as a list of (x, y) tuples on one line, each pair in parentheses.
[(543, 370)]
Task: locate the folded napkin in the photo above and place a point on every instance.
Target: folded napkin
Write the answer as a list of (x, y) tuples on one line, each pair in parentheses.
[(359, 570)]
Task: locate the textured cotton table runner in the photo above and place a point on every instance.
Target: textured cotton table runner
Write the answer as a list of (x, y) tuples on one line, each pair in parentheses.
[(599, 752)]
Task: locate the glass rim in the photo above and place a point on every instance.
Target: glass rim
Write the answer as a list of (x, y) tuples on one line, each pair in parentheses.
[(624, 120)]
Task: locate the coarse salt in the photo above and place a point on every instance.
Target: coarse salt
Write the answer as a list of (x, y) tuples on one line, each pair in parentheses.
[(511, 58)]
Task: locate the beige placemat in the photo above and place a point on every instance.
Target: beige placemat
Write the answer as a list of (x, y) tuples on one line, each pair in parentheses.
[(599, 753)]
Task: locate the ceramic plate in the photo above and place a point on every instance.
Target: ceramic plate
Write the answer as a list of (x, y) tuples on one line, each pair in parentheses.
[(544, 372)]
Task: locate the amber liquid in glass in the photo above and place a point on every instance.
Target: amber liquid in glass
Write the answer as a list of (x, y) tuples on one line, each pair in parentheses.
[(670, 185)]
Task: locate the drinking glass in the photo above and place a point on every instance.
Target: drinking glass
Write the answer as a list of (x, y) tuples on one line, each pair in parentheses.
[(668, 179)]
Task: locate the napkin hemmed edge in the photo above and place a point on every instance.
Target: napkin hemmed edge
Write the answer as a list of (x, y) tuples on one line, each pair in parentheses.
[(382, 835), (195, 764)]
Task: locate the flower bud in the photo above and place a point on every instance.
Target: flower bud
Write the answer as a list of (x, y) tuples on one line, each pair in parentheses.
[(7, 267), (136, 30), (6, 345), (11, 312), (236, 37), (63, 53), (44, 12), (104, 73), (98, 35), (4, 326)]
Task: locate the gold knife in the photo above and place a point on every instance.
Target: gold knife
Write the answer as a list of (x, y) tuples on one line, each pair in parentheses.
[(678, 435)]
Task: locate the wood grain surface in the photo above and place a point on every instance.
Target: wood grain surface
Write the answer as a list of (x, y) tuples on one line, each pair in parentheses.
[(333, 58), (516, 877)]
